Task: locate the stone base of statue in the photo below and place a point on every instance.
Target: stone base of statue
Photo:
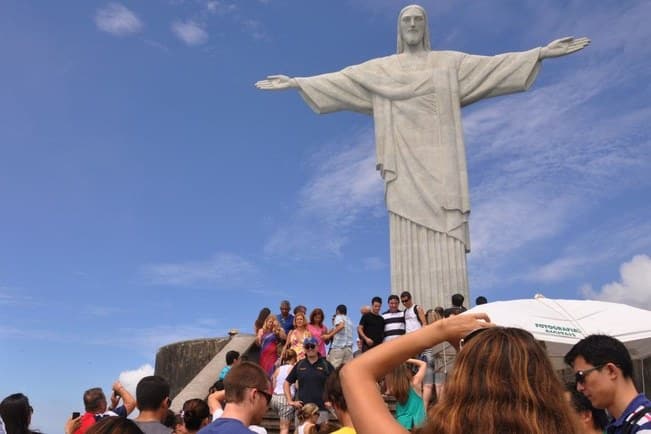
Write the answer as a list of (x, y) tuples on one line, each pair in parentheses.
[(430, 265)]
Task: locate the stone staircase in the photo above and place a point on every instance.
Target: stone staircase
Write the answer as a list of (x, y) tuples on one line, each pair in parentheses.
[(272, 424)]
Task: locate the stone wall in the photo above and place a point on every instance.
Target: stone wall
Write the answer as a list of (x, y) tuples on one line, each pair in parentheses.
[(180, 362)]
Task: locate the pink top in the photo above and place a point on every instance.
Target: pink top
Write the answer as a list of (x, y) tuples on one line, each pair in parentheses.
[(316, 332)]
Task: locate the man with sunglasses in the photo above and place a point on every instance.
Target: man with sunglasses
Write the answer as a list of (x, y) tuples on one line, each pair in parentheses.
[(311, 374), (603, 372), (247, 392)]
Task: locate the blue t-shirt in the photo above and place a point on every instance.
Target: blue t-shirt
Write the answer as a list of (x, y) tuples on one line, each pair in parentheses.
[(225, 425), (643, 425), (224, 371), (286, 323)]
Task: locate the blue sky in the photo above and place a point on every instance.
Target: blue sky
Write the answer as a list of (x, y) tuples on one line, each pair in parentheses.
[(151, 194)]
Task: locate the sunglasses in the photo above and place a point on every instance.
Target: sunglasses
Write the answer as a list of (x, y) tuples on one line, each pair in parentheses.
[(579, 376), (267, 395), (464, 340), (309, 346)]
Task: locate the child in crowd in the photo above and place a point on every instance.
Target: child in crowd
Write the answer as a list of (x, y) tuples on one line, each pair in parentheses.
[(232, 357), (278, 400)]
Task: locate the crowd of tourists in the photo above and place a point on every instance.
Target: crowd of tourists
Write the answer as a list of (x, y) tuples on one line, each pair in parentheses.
[(446, 372)]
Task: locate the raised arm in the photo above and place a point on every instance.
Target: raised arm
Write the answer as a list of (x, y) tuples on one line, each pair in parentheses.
[(419, 376), (359, 377), (563, 47), (276, 82), (120, 391)]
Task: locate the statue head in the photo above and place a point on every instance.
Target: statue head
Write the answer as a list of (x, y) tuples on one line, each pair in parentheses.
[(413, 28)]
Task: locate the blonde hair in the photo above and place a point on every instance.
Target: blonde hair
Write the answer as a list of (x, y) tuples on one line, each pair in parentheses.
[(307, 411)]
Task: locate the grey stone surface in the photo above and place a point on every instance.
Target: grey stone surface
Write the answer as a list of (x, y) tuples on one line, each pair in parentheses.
[(415, 98), (198, 385), (180, 362)]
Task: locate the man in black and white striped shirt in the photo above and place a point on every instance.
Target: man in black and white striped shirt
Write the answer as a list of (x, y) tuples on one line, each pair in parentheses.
[(394, 319)]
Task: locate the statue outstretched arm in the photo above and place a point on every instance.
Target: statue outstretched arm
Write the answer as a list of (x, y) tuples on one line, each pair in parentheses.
[(276, 82), (563, 47)]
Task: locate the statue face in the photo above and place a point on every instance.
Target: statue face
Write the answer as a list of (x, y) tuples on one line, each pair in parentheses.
[(412, 26)]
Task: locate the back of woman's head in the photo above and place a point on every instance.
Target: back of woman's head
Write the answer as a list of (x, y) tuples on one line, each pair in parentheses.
[(114, 425), (307, 411), (399, 382), (16, 413), (503, 382), (196, 414)]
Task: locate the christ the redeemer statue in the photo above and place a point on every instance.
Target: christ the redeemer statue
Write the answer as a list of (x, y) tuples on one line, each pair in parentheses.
[(415, 98)]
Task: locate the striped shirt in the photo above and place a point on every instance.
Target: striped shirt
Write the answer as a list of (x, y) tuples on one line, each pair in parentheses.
[(394, 325)]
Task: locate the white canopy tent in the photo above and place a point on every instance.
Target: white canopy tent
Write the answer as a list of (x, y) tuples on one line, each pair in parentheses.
[(562, 323)]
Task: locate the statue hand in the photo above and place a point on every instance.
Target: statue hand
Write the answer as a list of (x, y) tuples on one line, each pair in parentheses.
[(276, 82), (563, 46)]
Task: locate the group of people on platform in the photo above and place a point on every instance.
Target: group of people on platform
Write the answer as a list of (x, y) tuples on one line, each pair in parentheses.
[(502, 381)]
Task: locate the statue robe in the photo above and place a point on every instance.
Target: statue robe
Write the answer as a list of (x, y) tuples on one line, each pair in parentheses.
[(421, 154)]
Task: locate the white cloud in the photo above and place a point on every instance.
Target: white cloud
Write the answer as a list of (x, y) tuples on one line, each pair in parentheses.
[(634, 287), (218, 7), (222, 269), (344, 188), (130, 379), (118, 20), (598, 246), (254, 28), (190, 32)]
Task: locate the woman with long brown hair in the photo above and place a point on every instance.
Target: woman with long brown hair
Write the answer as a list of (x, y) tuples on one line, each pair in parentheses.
[(407, 388), (317, 329), (502, 383)]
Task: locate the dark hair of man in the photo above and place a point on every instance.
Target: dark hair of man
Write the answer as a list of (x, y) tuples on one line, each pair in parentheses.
[(243, 376), (232, 356), (195, 412), (598, 350), (151, 392), (480, 300), (114, 425), (405, 294), (457, 300), (94, 399), (582, 404), (393, 297), (342, 309), (16, 414), (285, 303), (376, 299), (332, 390)]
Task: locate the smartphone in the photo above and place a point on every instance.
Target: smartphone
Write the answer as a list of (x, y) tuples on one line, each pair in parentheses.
[(75, 414)]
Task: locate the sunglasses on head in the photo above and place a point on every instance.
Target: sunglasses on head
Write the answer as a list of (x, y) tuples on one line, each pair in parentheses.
[(309, 346), (580, 376), (464, 340)]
